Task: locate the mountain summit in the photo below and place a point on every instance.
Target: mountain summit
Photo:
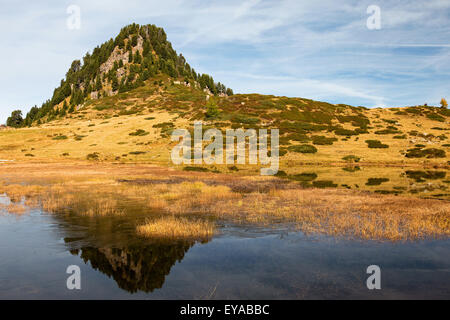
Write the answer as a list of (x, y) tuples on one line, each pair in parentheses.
[(136, 55)]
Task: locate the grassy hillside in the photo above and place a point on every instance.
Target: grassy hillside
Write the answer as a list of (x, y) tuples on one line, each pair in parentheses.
[(135, 127)]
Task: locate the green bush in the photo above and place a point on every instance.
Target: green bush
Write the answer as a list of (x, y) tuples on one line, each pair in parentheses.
[(376, 144), (322, 140), (305, 176), (60, 137), (345, 132), (79, 137), (304, 148), (103, 107), (166, 128), (351, 169), (212, 110), (139, 132), (351, 158), (388, 131), (376, 181), (422, 176), (436, 117), (324, 184), (197, 169), (92, 156), (425, 153)]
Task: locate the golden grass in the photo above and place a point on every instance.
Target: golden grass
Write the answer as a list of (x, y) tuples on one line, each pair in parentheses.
[(172, 228), (111, 140), (14, 208), (338, 212), (96, 191)]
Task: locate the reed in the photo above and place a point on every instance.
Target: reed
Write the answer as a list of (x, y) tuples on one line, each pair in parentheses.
[(173, 228)]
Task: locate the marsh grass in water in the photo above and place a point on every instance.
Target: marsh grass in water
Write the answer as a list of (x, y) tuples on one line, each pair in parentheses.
[(189, 202), (175, 228)]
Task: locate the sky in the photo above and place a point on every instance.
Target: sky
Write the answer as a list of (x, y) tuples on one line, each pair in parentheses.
[(340, 51)]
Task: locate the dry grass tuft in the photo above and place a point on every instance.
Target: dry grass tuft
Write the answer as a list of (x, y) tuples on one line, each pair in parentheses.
[(14, 208), (173, 228)]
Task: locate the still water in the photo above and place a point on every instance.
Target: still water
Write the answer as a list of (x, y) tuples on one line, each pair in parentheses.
[(239, 263)]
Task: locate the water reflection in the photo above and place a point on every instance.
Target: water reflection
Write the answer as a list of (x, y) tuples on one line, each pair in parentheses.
[(110, 245), (138, 268)]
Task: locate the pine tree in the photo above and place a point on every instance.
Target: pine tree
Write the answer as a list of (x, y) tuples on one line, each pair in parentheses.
[(15, 120), (115, 84), (137, 57)]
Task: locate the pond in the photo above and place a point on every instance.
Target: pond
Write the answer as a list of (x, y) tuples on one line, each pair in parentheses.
[(241, 262)]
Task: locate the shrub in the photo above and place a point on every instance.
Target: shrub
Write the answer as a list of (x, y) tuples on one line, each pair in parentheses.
[(139, 132), (297, 137), (390, 121), (351, 169), (388, 131), (137, 152), (281, 174), (322, 140), (345, 132), (166, 128), (212, 110), (351, 158), (324, 184), (198, 169), (305, 176), (60, 137), (304, 148), (376, 144), (421, 176), (102, 107), (427, 153), (376, 181), (79, 137), (92, 156), (436, 117)]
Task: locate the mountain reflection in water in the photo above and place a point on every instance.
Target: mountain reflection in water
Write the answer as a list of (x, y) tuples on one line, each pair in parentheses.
[(139, 268), (111, 246)]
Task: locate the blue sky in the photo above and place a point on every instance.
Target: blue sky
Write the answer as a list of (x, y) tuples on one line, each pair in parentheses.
[(320, 50)]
